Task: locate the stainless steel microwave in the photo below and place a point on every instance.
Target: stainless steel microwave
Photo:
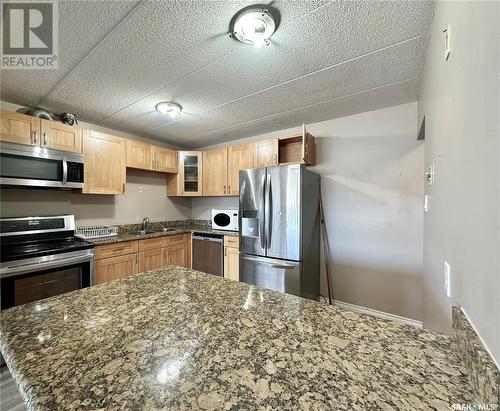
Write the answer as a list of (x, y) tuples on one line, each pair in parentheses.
[(22, 165)]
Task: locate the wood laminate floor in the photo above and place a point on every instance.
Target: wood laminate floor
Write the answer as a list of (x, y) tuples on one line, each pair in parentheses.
[(10, 400)]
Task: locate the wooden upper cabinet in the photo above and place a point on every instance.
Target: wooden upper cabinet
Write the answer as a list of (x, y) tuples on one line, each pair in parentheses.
[(266, 153), (139, 155), (165, 159), (19, 128), (105, 163), (148, 157), (188, 181), (239, 157), (215, 172), (61, 136), (297, 149)]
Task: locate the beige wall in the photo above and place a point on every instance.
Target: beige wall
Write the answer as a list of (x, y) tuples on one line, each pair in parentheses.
[(371, 166), (145, 196), (201, 208), (460, 101)]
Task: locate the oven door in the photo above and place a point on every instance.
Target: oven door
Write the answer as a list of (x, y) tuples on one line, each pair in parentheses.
[(39, 167), (33, 279)]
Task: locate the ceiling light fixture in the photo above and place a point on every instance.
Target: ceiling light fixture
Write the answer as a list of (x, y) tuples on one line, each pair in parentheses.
[(253, 25), (168, 108)]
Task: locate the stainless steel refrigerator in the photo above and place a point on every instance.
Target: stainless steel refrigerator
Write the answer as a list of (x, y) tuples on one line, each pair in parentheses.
[(279, 224)]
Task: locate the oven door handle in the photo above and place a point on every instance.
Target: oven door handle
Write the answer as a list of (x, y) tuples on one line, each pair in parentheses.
[(32, 266)]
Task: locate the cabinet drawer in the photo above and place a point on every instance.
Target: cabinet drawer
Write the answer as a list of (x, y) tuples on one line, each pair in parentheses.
[(151, 243), (176, 239), (112, 250), (231, 241)]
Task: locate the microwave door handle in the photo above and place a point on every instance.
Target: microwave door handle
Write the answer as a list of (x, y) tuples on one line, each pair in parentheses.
[(65, 171)]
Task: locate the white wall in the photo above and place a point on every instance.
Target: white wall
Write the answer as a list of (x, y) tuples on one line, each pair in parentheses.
[(371, 166), (146, 196), (460, 101)]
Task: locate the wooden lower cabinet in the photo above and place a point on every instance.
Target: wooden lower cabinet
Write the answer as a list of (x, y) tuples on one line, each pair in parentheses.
[(112, 268), (150, 259), (120, 260), (176, 255), (231, 258)]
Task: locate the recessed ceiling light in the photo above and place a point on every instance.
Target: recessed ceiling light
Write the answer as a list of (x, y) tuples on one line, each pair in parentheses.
[(253, 25), (169, 108)]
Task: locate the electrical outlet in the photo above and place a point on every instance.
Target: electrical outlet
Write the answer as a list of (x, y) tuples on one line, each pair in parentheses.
[(447, 279)]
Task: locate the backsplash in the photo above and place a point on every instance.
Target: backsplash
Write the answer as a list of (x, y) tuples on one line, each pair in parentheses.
[(482, 371), (158, 225)]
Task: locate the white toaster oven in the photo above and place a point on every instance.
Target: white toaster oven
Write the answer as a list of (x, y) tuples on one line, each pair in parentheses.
[(225, 220)]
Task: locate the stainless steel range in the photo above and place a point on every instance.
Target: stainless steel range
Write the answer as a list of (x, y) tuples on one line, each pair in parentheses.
[(40, 257)]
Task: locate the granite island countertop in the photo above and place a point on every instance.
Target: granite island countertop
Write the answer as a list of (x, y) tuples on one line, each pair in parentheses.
[(178, 339)]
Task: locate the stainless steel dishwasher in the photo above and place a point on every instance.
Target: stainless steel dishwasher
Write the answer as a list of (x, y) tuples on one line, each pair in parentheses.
[(208, 253)]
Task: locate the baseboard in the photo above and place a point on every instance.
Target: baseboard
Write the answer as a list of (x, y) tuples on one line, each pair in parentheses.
[(377, 313)]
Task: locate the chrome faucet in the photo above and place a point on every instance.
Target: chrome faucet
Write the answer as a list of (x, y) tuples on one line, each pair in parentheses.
[(145, 222)]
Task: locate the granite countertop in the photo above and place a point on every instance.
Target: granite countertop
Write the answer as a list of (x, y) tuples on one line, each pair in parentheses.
[(178, 339), (130, 236)]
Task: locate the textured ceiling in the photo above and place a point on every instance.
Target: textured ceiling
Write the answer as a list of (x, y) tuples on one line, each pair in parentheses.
[(327, 59)]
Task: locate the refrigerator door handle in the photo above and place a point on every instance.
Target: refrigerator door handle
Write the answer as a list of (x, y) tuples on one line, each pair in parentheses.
[(262, 234), (265, 261), (269, 211)]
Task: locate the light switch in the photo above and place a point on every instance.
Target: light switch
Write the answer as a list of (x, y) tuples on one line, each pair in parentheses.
[(429, 175), (447, 43)]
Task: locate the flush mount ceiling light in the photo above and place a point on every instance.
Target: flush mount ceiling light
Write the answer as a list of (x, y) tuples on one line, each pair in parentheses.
[(168, 108), (253, 25)]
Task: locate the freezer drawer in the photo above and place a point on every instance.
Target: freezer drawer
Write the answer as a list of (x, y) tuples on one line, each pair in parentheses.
[(278, 275)]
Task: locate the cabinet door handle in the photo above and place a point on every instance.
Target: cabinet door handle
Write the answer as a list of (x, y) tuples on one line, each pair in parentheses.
[(225, 251), (123, 188), (34, 137), (229, 189), (45, 139), (224, 189), (275, 158)]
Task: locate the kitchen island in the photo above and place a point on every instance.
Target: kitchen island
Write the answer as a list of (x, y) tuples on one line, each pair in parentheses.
[(178, 339)]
